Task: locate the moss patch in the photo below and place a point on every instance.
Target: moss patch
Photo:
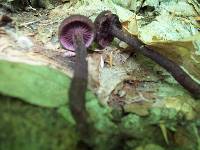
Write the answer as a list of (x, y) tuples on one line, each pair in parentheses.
[(24, 126)]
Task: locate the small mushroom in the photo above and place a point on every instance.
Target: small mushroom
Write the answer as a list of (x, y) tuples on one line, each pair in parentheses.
[(76, 33), (103, 24), (108, 26), (73, 28)]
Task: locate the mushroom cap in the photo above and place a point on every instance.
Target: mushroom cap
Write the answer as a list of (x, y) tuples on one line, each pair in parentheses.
[(103, 25), (76, 24)]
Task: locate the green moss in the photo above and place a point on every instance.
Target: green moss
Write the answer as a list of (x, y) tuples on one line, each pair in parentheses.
[(39, 85), (24, 127), (48, 124)]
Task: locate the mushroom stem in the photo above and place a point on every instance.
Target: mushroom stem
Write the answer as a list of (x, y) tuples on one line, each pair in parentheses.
[(76, 33), (79, 84), (176, 71)]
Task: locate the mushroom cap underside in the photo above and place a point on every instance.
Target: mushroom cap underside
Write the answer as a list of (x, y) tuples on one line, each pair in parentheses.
[(76, 24)]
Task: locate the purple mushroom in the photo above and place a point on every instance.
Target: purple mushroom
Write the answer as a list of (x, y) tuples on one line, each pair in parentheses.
[(76, 25), (76, 33), (108, 26)]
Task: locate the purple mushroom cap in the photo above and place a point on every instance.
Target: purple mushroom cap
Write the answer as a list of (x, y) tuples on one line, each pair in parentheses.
[(103, 24), (76, 24)]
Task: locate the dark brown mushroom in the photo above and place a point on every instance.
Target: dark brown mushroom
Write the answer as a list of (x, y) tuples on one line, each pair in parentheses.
[(103, 25), (76, 33), (108, 26)]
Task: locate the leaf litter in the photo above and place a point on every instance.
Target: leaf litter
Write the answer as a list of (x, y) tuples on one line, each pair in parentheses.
[(126, 79), (40, 27)]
